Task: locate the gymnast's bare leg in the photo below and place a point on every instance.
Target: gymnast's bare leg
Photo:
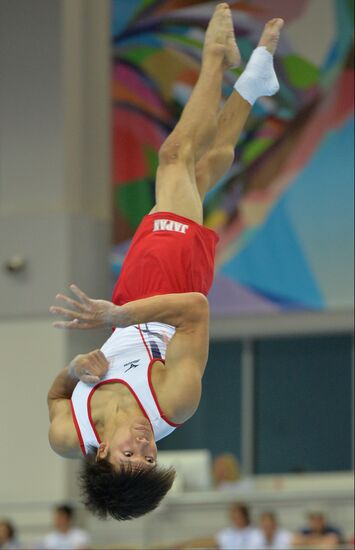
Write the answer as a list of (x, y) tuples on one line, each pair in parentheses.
[(176, 187), (201, 148), (231, 120)]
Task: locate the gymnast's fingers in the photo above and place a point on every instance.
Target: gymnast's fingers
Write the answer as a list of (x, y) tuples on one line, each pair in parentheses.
[(102, 355), (98, 369), (73, 303), (94, 365), (80, 294), (89, 379), (71, 324), (57, 310), (101, 360)]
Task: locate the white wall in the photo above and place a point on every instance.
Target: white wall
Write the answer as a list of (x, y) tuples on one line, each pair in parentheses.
[(54, 211), (31, 354)]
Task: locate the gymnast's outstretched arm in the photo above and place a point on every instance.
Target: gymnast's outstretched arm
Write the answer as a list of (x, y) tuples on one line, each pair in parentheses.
[(177, 310)]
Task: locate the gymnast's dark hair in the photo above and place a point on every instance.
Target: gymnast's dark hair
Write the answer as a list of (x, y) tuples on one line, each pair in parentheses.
[(122, 494)]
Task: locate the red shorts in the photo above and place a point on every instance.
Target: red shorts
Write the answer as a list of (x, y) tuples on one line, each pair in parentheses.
[(168, 254)]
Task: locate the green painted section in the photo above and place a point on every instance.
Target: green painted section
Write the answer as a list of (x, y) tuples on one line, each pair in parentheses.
[(152, 158), (255, 148), (139, 54), (301, 73), (180, 38), (245, 47), (350, 4), (134, 200), (144, 4)]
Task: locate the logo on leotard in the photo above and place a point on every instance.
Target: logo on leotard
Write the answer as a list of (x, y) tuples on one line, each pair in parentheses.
[(170, 225), (131, 365)]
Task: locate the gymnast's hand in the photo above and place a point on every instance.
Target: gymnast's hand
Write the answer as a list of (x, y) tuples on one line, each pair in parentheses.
[(85, 313), (89, 367)]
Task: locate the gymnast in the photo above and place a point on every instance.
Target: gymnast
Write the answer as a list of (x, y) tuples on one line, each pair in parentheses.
[(113, 404)]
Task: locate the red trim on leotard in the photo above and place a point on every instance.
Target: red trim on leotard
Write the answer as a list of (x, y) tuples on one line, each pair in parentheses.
[(173, 424), (80, 437), (111, 381), (144, 342)]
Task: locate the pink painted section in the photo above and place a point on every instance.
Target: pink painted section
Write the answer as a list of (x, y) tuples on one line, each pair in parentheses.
[(132, 133), (337, 106), (228, 298), (138, 88), (267, 9)]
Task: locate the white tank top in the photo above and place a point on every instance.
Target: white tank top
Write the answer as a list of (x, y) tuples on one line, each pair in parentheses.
[(131, 353)]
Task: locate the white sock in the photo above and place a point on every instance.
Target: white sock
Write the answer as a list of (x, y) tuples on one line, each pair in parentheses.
[(259, 77)]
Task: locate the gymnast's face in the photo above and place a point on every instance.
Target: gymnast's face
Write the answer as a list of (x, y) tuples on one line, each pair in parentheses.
[(133, 444)]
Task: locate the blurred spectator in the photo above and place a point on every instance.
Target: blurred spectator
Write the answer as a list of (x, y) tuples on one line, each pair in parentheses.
[(270, 536), (239, 536), (227, 475), (318, 534), (8, 539), (225, 469), (65, 536)]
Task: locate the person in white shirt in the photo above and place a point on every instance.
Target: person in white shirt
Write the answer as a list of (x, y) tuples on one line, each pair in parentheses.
[(270, 536), (8, 538), (240, 535), (65, 536)]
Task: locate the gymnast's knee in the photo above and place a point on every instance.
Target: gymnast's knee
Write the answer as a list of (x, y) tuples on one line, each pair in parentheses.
[(222, 157), (176, 149)]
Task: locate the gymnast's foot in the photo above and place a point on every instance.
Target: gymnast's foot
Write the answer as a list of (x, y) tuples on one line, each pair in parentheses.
[(271, 34), (259, 78), (220, 37)]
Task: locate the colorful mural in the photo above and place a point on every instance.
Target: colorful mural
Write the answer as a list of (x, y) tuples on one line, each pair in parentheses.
[(285, 210)]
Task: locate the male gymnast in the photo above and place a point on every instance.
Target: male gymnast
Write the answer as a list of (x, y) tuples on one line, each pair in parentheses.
[(113, 404)]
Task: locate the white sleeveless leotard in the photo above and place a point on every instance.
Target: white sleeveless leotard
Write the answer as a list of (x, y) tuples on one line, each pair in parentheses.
[(131, 353)]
